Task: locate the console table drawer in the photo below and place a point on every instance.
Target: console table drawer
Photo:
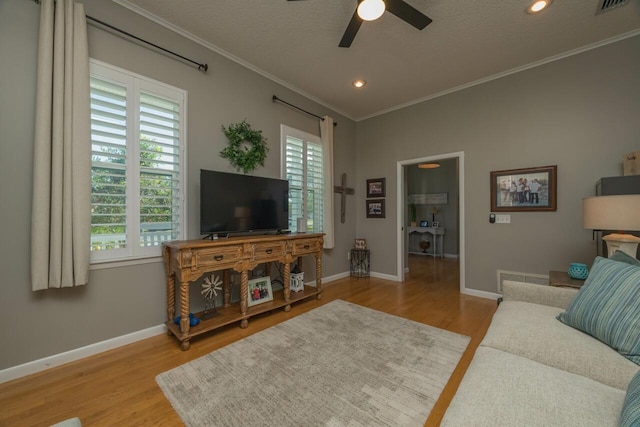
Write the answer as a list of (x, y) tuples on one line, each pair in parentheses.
[(218, 258), (268, 251), (306, 246)]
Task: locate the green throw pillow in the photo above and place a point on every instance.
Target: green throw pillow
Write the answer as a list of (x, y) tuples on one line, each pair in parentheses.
[(630, 416), (624, 257), (607, 307)]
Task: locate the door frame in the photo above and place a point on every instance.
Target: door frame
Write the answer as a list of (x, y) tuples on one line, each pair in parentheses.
[(400, 191)]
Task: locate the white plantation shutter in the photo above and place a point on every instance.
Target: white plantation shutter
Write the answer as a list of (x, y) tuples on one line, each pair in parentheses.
[(138, 156), (303, 167), (108, 165), (295, 172), (159, 170)]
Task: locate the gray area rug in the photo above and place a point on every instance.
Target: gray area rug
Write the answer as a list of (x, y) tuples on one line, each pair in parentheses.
[(338, 365)]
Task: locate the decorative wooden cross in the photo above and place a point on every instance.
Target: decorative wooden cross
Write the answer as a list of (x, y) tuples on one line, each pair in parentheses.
[(343, 190)]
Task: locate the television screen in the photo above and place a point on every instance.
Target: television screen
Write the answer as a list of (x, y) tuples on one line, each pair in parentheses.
[(233, 203)]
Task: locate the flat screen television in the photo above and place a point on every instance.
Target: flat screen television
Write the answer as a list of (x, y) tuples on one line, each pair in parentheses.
[(234, 203)]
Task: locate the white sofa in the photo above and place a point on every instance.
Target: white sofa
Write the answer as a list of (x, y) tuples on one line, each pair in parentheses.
[(533, 370)]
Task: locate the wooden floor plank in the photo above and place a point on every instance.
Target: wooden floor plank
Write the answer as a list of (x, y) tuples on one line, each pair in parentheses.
[(118, 387)]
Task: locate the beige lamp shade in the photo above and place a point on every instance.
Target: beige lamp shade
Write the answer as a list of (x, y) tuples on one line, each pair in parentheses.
[(620, 213)]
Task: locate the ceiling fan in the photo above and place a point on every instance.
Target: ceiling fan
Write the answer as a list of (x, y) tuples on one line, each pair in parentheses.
[(399, 8)]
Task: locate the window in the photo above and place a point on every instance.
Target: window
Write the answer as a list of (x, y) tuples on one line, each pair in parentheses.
[(137, 164), (304, 166)]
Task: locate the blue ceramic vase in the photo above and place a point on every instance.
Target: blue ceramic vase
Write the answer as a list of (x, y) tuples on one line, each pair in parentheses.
[(578, 271)]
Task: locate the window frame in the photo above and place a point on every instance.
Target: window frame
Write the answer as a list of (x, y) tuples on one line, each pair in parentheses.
[(135, 84)]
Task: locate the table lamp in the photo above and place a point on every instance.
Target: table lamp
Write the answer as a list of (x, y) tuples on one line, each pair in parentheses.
[(619, 213)]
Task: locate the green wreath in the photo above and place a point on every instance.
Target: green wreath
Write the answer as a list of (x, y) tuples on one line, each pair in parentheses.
[(245, 157)]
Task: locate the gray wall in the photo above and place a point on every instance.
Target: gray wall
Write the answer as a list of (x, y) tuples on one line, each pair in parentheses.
[(581, 113), (121, 300)]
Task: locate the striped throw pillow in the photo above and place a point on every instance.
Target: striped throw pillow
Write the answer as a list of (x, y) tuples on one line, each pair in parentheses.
[(630, 415), (607, 307)]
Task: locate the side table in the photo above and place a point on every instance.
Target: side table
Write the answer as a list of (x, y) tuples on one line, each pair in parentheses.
[(561, 278), (360, 262)]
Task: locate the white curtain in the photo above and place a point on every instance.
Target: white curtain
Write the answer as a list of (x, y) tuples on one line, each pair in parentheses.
[(326, 135), (61, 216)]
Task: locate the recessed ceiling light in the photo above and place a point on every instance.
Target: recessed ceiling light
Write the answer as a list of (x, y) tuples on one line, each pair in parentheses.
[(359, 83), (538, 6)]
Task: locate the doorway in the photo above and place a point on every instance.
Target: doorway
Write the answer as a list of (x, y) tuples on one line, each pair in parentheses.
[(402, 191)]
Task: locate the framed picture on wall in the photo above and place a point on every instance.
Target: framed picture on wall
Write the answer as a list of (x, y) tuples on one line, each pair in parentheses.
[(375, 209), (376, 187), (529, 189)]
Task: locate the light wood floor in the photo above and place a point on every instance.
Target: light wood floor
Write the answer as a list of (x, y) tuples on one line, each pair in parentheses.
[(118, 388)]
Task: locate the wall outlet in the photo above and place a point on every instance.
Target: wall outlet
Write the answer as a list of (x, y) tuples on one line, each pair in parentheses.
[(503, 219), (348, 255)]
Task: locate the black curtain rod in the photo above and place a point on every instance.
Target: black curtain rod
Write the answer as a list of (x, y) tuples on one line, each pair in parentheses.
[(275, 98), (201, 67)]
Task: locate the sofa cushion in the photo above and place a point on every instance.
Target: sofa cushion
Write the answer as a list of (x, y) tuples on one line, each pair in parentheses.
[(630, 416), (624, 257), (532, 331), (607, 307), (502, 389)]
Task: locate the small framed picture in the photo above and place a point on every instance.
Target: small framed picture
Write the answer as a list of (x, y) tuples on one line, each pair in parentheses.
[(259, 291), (376, 187), (424, 223), (360, 244), (375, 208), (435, 224)]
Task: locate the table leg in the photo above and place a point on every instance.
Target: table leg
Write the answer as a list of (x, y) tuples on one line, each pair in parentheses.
[(286, 279), (244, 294), (184, 314), (226, 283), (319, 276)]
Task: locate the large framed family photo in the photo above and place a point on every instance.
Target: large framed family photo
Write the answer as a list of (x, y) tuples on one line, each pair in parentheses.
[(521, 190)]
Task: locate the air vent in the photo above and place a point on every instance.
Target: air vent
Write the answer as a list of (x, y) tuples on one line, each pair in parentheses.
[(607, 5), (536, 279)]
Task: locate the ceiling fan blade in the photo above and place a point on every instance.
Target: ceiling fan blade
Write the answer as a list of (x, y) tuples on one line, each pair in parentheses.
[(351, 31), (408, 13)]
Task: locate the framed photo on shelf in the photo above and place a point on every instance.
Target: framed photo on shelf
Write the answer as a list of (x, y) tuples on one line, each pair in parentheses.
[(259, 291), (524, 190), (376, 187), (360, 244), (424, 223), (375, 208), (435, 224)]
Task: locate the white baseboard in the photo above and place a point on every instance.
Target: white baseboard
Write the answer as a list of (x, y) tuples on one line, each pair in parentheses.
[(48, 362), (335, 277), (481, 294), (45, 363), (384, 276)]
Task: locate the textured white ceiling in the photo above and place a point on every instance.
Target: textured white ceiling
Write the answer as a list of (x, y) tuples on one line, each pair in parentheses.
[(470, 40)]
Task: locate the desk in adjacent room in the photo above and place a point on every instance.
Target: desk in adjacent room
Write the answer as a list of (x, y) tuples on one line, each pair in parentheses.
[(437, 235)]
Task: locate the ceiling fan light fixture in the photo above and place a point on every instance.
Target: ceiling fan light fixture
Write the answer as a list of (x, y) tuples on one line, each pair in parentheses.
[(538, 6), (358, 83), (429, 165), (370, 10)]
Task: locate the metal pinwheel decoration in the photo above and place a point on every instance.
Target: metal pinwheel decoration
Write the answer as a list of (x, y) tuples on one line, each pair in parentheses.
[(210, 288)]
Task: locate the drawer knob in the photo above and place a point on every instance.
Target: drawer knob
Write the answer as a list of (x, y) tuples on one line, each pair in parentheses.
[(269, 251), (218, 257), (306, 246)]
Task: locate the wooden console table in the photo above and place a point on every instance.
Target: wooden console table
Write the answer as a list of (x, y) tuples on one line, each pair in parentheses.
[(187, 260)]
